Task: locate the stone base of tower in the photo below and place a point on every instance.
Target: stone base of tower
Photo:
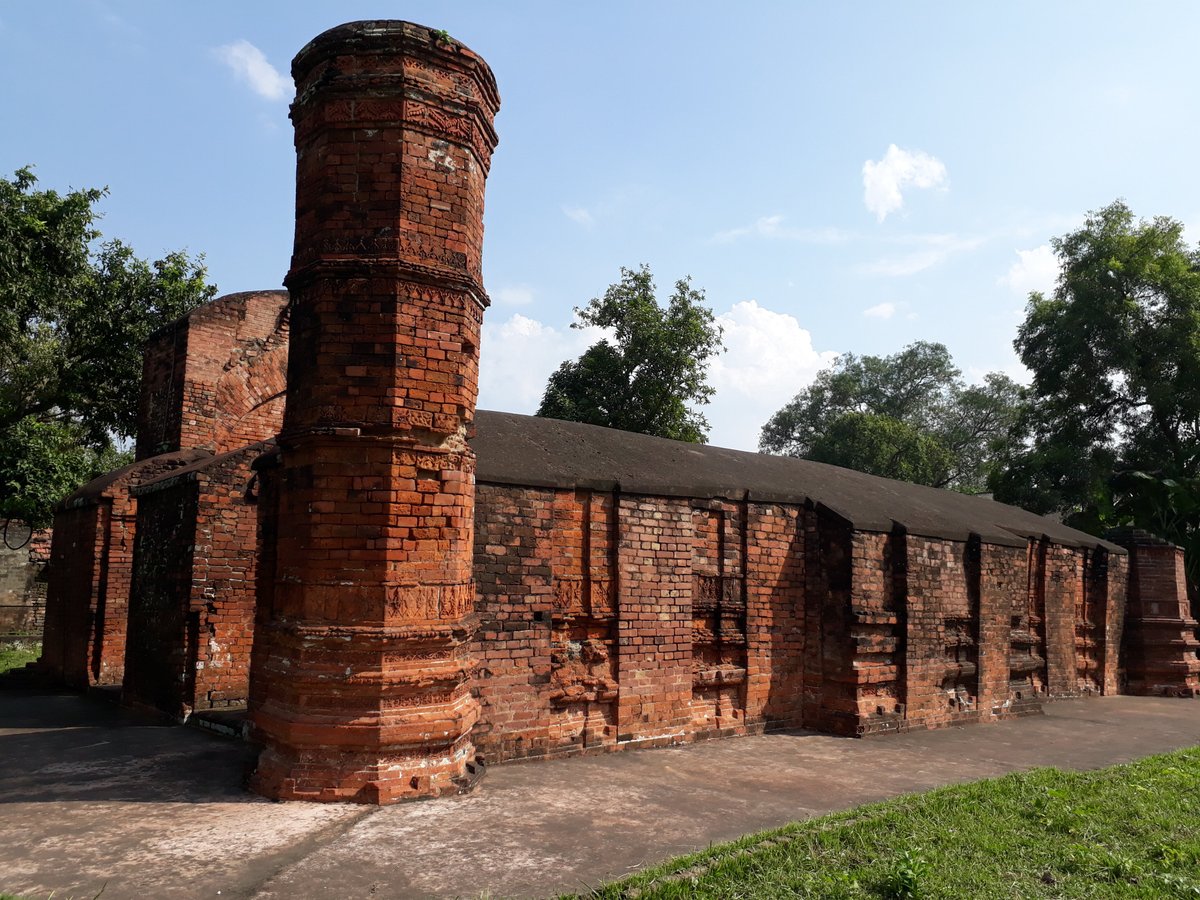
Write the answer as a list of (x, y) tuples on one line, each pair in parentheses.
[(1162, 657), (1160, 647), (347, 775), (363, 715)]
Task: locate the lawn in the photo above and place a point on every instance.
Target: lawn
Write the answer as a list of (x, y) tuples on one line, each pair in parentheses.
[(15, 656), (1127, 831)]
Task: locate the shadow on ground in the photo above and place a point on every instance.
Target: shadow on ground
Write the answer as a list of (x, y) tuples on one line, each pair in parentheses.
[(62, 747), (92, 796)]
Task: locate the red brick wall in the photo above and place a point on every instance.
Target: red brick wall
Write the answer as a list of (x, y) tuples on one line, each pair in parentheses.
[(876, 668), (1117, 591), (1160, 646), (215, 379), (831, 677), (720, 611), (164, 627), (730, 616), (223, 579), (1063, 593), (655, 622), (778, 683), (160, 403), (942, 659), (1011, 656), (90, 571), (193, 588), (75, 554)]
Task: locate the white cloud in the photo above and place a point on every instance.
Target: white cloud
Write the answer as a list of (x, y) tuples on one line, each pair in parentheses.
[(1191, 230), (515, 295), (880, 311), (773, 227), (1034, 270), (932, 250), (884, 181), (578, 214), (249, 64), (768, 359), (517, 357)]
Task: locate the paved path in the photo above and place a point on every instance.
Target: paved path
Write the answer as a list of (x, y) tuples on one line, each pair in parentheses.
[(94, 797)]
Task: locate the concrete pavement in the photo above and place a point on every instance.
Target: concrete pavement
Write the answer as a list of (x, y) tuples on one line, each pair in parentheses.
[(92, 796)]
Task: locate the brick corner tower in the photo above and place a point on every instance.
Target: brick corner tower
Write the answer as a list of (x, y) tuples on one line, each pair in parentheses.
[(360, 674)]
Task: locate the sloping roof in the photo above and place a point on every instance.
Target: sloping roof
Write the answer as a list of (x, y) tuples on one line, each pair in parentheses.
[(527, 450), (94, 490), (198, 468)]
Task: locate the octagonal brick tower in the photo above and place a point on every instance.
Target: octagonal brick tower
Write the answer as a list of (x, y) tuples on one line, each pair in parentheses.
[(360, 670)]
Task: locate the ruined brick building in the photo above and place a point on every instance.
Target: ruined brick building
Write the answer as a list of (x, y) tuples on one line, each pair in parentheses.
[(320, 525)]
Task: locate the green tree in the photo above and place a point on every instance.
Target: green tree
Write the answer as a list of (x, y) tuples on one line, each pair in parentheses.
[(649, 374), (74, 314), (908, 416), (1111, 435)]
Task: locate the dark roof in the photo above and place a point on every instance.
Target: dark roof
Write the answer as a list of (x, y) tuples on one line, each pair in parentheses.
[(95, 489), (527, 450), (199, 467)]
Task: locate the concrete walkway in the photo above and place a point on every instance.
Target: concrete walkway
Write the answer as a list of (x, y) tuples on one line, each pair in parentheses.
[(93, 797)]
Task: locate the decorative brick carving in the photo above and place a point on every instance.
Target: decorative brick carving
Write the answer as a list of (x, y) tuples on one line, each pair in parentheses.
[(374, 510)]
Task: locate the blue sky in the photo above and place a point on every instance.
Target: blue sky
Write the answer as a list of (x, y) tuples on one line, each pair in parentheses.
[(836, 177)]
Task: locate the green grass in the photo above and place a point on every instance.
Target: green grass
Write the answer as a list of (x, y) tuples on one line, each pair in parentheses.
[(1128, 831), (14, 657)]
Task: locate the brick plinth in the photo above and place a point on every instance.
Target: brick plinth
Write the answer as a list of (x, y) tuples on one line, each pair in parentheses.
[(1160, 633), (360, 672)]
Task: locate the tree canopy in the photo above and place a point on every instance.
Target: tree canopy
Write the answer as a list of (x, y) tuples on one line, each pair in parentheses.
[(74, 314), (648, 374), (1111, 433), (908, 416)]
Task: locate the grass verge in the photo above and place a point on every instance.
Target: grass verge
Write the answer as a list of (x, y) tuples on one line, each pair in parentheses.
[(1127, 831), (15, 656)]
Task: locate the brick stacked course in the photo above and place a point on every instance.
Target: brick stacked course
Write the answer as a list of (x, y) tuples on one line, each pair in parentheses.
[(1001, 577), (1063, 598), (23, 571), (942, 660), (191, 616), (877, 630), (1160, 647), (777, 687), (611, 620), (215, 379), (90, 573), (842, 630), (362, 659), (213, 382)]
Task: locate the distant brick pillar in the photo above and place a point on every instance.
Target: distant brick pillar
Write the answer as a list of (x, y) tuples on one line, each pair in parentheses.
[(361, 663), (1160, 645)]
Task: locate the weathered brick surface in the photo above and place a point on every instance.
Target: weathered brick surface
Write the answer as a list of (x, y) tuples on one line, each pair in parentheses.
[(191, 620), (24, 559), (363, 661), (213, 382), (1160, 639), (655, 625), (777, 684), (942, 660), (215, 379), (90, 571), (1009, 654), (609, 620)]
